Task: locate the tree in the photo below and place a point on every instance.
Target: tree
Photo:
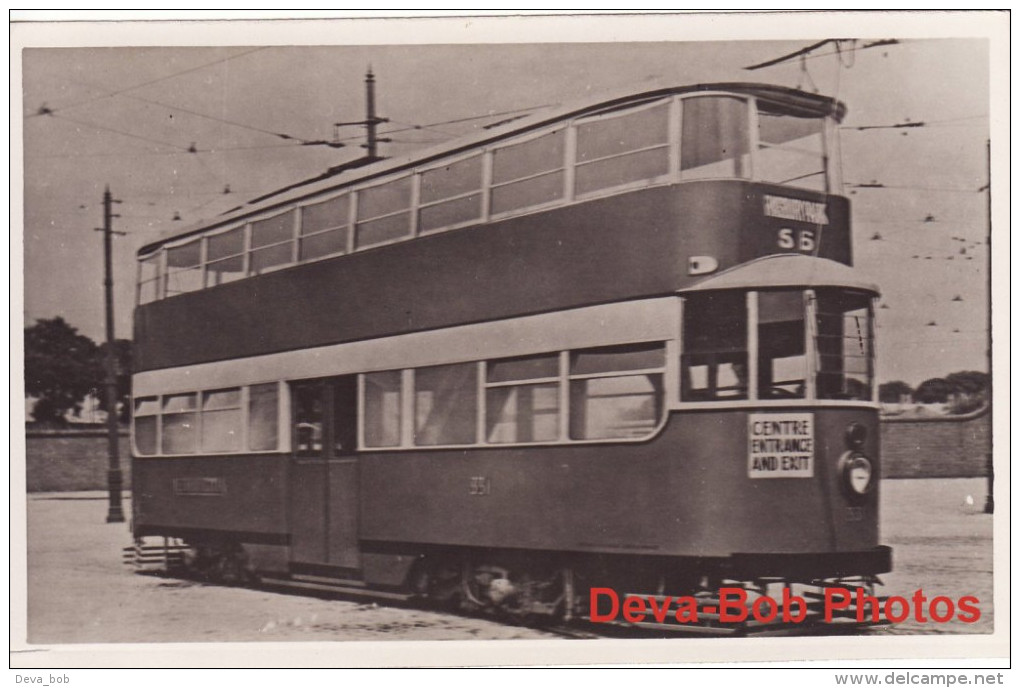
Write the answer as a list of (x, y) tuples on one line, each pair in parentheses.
[(62, 367), (933, 391), (971, 389), (892, 392), (968, 381)]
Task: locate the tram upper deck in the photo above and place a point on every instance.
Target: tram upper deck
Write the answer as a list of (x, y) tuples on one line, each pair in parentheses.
[(629, 197)]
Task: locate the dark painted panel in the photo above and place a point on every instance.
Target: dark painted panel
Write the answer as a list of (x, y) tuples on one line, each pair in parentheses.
[(685, 493), (252, 499), (624, 247)]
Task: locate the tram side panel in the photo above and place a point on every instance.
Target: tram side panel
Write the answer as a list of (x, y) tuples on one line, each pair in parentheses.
[(687, 492), (220, 498)]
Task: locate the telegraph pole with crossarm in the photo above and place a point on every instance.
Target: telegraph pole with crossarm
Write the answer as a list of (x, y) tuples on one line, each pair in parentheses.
[(114, 478)]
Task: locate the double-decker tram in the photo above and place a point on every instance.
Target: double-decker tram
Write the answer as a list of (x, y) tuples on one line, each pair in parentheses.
[(617, 346)]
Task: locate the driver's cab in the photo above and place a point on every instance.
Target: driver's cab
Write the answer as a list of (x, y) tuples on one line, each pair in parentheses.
[(803, 332)]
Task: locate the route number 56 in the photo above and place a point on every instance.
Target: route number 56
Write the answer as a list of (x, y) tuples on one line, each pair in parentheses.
[(802, 239)]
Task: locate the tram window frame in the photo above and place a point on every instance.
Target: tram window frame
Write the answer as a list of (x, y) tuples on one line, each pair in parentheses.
[(832, 382), (244, 423), (606, 160), (702, 355), (394, 216), (212, 257), (221, 428), (390, 416), (777, 336), (520, 393), (172, 275), (262, 404), (555, 177), (275, 246), (150, 286), (742, 161), (340, 228), (455, 385), (765, 150), (432, 198), (146, 412), (180, 425), (609, 368)]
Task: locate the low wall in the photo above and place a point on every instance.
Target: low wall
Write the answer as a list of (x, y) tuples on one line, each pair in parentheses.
[(937, 447), (68, 460)]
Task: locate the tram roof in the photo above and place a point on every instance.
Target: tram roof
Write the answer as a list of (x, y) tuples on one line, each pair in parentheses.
[(785, 270), (798, 102)]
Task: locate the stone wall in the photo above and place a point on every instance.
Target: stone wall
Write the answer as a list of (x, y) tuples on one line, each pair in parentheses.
[(68, 460), (937, 447)]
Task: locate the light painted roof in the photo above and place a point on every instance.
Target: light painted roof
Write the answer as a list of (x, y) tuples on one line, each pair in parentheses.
[(786, 270)]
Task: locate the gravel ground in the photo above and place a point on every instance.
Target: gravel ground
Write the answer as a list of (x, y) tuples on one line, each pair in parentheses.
[(78, 591)]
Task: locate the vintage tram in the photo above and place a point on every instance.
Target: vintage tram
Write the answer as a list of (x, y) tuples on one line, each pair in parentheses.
[(615, 345)]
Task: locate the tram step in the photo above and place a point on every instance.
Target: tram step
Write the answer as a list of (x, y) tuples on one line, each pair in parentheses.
[(338, 587)]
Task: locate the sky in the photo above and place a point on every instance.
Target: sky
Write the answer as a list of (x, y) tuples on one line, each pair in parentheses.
[(196, 118)]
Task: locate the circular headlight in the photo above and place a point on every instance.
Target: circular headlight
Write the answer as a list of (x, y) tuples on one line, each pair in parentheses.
[(857, 473), (855, 435)]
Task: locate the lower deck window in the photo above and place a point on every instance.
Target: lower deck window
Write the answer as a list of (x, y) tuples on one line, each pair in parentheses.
[(146, 425), (221, 420), (782, 362), (522, 401), (180, 424), (522, 413), (382, 409), (214, 421), (615, 407), (714, 361), (446, 404), (844, 346), (263, 417)]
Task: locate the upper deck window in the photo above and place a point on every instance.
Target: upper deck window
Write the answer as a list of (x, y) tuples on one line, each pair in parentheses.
[(451, 194), (790, 148), (714, 141), (272, 242), (529, 173), (384, 212), (184, 268), (225, 257), (148, 278), (622, 148), (324, 228)]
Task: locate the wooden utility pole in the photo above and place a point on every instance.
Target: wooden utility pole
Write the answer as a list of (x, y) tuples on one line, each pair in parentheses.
[(114, 478), (989, 458)]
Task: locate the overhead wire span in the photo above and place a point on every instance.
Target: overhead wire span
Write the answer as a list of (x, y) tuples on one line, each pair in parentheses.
[(50, 111)]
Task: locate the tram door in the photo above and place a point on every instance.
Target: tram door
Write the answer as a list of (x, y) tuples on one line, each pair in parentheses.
[(324, 473)]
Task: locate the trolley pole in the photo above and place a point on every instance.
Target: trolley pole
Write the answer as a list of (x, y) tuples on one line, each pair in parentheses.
[(370, 118), (114, 477)]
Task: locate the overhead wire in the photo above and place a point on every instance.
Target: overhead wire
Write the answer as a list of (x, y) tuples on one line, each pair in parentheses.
[(50, 111)]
